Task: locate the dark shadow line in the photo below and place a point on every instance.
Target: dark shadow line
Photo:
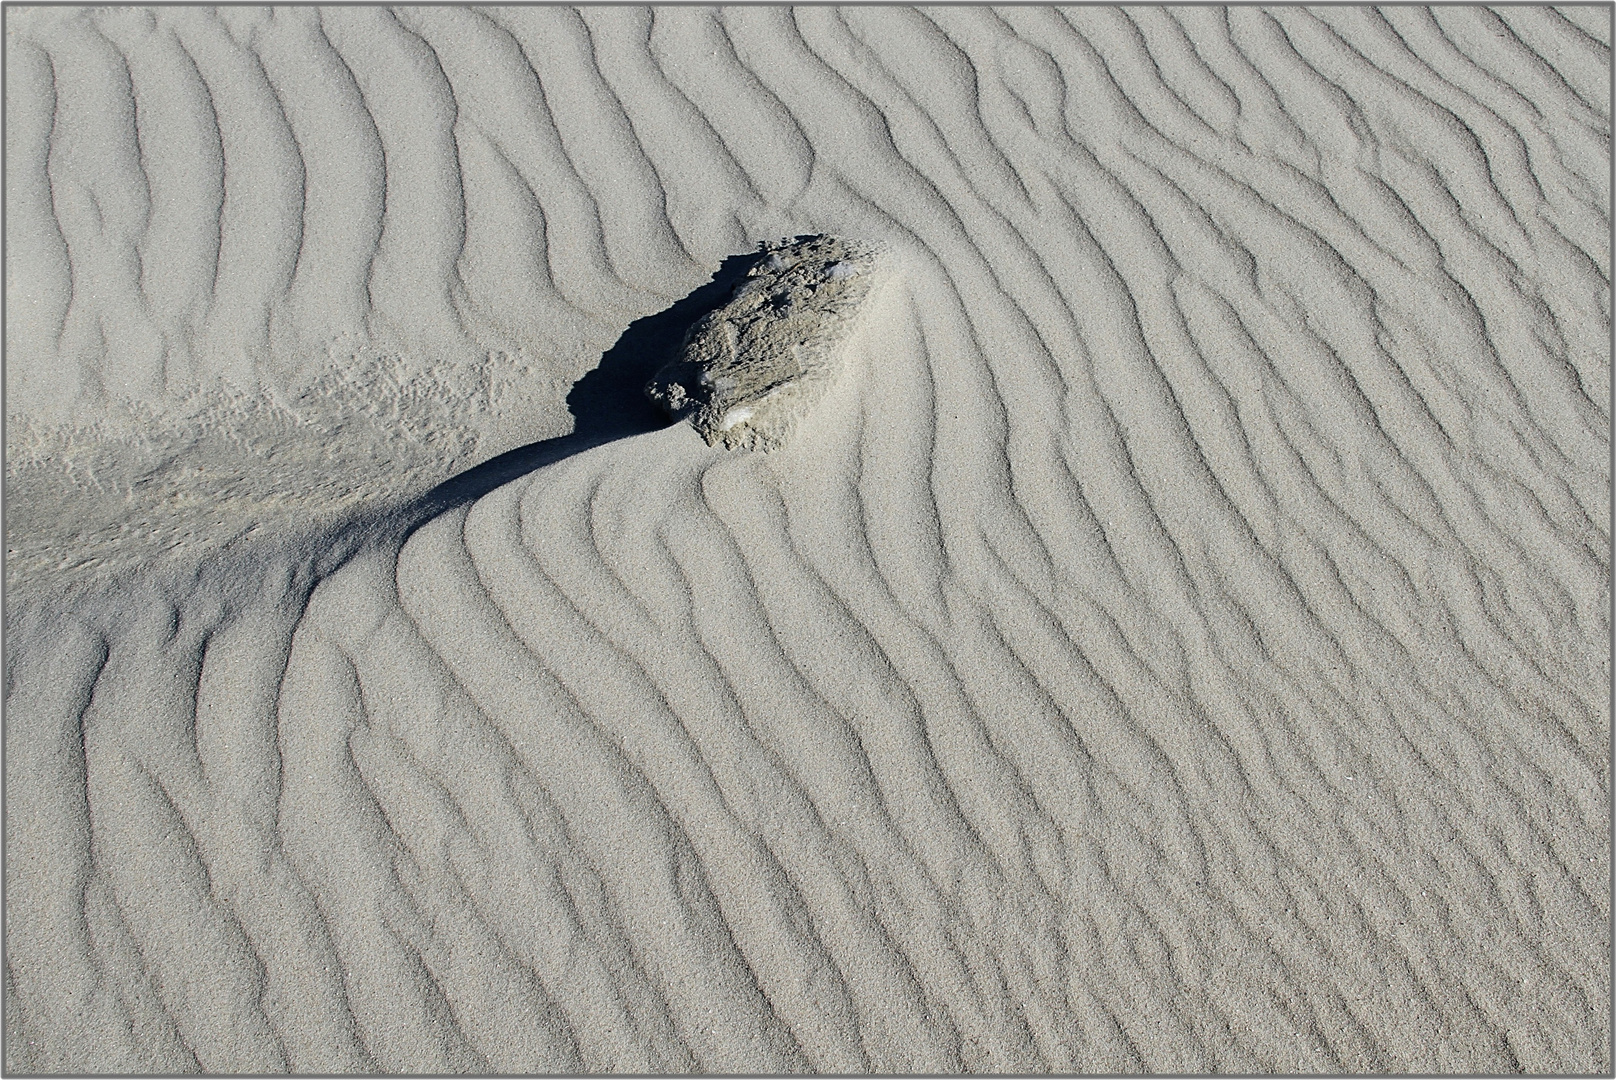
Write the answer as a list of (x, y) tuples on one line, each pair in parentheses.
[(608, 403)]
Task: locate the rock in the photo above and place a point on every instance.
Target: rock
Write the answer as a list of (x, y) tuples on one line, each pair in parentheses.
[(750, 370)]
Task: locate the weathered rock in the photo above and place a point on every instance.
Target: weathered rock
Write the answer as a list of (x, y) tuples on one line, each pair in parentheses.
[(750, 370)]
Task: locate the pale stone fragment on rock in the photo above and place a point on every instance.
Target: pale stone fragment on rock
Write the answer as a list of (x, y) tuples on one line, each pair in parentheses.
[(749, 371)]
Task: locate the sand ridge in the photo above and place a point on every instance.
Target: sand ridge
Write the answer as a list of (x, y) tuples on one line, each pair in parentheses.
[(1177, 641)]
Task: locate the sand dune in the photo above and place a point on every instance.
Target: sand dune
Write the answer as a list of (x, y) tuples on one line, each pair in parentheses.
[(1178, 641)]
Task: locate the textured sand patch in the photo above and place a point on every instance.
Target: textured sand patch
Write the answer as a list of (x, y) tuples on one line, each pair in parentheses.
[(1177, 641)]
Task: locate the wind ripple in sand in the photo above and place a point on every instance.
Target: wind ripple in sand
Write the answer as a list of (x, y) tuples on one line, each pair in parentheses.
[(1180, 643)]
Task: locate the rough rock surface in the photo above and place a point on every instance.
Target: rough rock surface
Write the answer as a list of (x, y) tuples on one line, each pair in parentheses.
[(750, 370)]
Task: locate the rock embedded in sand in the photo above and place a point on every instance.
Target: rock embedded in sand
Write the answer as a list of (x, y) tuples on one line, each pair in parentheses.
[(750, 370)]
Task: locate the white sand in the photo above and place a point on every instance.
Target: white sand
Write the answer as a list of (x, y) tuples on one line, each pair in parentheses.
[(1179, 641)]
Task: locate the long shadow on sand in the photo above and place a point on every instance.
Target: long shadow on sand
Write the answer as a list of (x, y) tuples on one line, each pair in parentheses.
[(609, 402)]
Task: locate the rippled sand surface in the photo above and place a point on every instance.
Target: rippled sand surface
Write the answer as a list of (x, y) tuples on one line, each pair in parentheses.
[(1178, 641)]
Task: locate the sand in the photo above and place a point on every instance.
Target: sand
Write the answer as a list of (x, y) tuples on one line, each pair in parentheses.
[(1176, 639)]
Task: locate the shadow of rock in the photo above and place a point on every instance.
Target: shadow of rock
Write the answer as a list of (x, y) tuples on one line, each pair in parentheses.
[(608, 403)]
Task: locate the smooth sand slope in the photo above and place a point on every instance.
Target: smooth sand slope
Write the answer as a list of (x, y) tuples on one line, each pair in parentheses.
[(1178, 640)]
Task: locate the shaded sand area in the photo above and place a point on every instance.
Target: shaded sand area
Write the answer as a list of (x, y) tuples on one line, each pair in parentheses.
[(1176, 640)]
